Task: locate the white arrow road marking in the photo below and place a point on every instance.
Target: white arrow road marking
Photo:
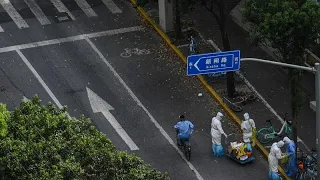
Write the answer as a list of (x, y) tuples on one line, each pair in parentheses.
[(100, 105), (153, 120)]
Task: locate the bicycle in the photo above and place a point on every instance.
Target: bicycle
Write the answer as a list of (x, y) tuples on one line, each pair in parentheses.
[(128, 52), (187, 149), (240, 101), (307, 163), (267, 134)]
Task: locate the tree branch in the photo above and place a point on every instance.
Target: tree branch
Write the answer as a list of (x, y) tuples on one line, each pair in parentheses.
[(210, 8)]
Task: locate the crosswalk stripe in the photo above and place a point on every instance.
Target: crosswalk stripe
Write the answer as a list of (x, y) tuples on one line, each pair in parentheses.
[(1, 29), (86, 8), (112, 6), (15, 16), (62, 8), (37, 12)]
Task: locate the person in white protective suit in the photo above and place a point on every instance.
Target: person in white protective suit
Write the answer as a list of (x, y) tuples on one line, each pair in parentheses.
[(216, 132), (273, 159), (248, 126)]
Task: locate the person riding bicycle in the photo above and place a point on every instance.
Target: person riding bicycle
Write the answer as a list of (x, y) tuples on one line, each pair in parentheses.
[(183, 128)]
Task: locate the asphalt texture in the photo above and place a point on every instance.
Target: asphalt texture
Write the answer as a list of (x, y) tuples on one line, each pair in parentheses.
[(157, 79), (269, 80)]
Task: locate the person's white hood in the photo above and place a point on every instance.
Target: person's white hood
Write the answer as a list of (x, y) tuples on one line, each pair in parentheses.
[(219, 116), (286, 140), (246, 116), (280, 144)]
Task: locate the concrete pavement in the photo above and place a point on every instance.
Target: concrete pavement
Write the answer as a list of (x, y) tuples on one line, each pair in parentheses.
[(139, 88)]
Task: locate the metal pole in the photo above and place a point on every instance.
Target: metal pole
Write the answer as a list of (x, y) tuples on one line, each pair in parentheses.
[(317, 79), (280, 64)]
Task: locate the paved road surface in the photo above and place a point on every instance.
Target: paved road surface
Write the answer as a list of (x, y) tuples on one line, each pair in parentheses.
[(134, 100)]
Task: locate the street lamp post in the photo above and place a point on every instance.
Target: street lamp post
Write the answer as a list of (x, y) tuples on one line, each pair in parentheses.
[(317, 79), (316, 70)]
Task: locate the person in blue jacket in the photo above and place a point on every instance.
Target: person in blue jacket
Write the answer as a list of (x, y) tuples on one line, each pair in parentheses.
[(291, 169), (184, 128)]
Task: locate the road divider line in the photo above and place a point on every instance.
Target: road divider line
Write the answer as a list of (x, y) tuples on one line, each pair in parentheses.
[(71, 38), (86, 8), (13, 13), (62, 8), (112, 6), (36, 10), (44, 85), (210, 90), (135, 98)]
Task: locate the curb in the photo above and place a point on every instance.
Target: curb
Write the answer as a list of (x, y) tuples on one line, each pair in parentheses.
[(211, 91)]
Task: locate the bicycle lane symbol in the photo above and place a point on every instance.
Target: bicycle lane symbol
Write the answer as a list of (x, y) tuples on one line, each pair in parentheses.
[(129, 52)]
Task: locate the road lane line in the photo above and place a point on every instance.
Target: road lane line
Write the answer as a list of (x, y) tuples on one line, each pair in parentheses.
[(13, 13), (44, 85), (135, 98), (71, 38), (42, 18), (112, 6), (62, 8), (1, 29), (86, 8)]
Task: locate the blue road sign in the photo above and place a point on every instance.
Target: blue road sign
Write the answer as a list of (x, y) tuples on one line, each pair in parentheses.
[(213, 62)]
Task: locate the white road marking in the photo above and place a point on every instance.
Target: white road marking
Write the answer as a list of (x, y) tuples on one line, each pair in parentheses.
[(135, 98), (44, 85), (62, 8), (12, 12), (1, 29), (71, 38), (42, 18), (258, 94), (86, 8), (100, 105), (112, 6)]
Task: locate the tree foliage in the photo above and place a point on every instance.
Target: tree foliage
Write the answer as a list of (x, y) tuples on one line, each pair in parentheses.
[(289, 26), (42, 143), (4, 114)]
